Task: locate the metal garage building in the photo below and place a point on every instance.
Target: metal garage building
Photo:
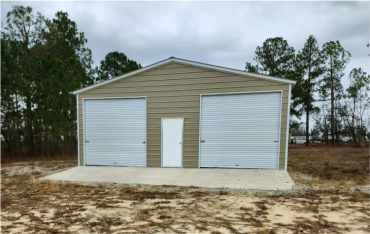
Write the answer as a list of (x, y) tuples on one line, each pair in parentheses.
[(181, 113)]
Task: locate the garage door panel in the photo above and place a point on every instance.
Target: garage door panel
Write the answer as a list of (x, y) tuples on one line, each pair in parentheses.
[(240, 130), (115, 132), (240, 160)]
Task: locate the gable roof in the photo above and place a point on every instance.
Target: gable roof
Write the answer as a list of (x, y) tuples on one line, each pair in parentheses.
[(186, 62)]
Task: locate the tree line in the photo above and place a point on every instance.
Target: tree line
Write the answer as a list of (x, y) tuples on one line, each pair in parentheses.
[(319, 72), (43, 60)]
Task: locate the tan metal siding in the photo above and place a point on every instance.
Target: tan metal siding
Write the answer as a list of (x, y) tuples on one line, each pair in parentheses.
[(173, 90)]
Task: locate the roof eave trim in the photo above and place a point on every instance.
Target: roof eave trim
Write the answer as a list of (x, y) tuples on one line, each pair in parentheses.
[(183, 61)]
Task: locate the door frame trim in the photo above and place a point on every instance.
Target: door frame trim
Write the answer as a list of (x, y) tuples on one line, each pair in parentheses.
[(84, 99), (182, 144), (281, 92)]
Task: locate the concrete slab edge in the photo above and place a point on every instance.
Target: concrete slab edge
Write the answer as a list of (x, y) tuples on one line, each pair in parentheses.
[(220, 189)]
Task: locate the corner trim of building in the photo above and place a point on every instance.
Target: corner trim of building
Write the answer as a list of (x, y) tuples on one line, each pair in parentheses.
[(78, 129), (287, 129)]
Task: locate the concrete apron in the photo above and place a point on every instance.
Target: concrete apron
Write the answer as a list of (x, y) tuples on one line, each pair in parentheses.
[(240, 179)]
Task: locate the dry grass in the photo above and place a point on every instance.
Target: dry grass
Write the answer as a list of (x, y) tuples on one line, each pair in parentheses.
[(325, 165), (31, 206), (7, 158)]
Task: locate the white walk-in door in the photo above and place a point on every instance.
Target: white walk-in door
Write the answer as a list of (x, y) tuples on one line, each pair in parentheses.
[(115, 131), (172, 133), (240, 130)]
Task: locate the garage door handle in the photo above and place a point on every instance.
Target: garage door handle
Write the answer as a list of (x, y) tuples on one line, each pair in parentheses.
[(276, 141), (87, 141), (144, 142), (202, 141)]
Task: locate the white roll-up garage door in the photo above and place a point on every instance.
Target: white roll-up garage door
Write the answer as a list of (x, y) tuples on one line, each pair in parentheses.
[(115, 131), (240, 131)]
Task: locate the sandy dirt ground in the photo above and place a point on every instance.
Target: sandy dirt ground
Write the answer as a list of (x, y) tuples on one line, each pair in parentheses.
[(32, 206)]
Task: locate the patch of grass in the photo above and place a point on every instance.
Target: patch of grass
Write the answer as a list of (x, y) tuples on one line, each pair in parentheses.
[(164, 217), (131, 193), (334, 163), (317, 226), (266, 231), (262, 208), (359, 197), (161, 202), (144, 214)]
